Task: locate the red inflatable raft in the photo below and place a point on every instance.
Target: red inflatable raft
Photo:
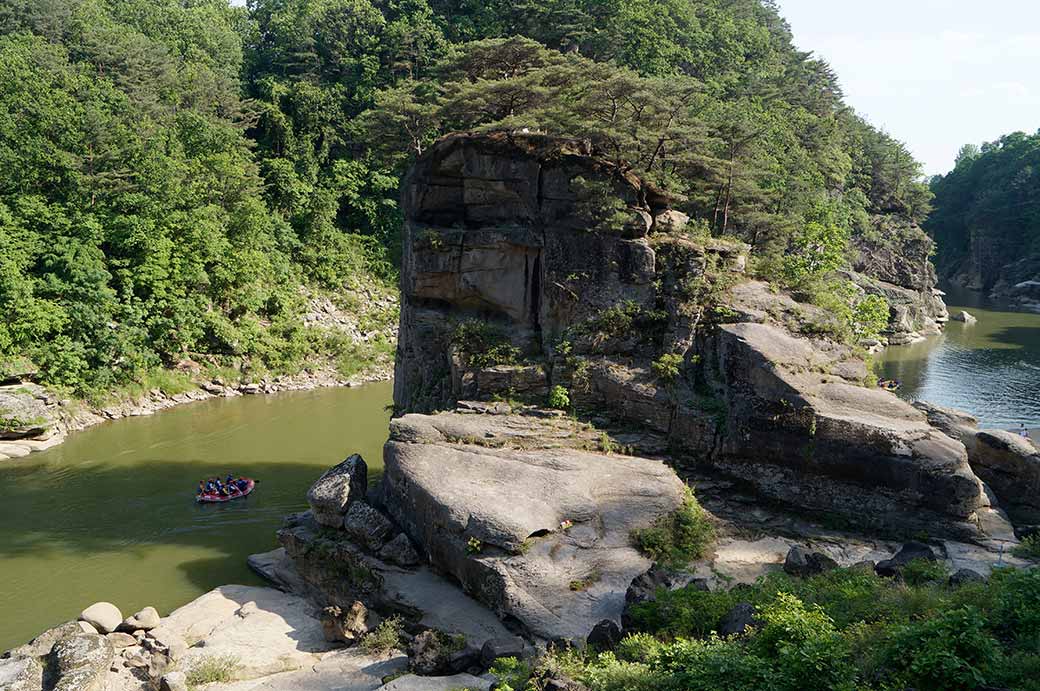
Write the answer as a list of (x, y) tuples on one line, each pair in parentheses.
[(214, 498)]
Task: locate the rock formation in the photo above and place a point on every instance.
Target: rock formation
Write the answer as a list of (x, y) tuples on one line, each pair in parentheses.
[(895, 263), (650, 325)]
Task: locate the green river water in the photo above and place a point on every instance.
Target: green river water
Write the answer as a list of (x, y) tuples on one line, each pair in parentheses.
[(990, 369), (110, 514)]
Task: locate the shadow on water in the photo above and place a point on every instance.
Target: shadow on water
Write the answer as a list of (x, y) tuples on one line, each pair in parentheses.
[(110, 514)]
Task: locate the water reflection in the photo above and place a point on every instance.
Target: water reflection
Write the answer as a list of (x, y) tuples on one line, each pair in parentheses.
[(991, 368)]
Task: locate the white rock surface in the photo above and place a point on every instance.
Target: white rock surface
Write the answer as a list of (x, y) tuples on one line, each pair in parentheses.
[(103, 616), (411, 682), (342, 670), (265, 630), (147, 619)]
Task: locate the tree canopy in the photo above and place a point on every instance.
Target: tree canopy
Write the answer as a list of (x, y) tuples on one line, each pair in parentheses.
[(993, 195), (175, 172)]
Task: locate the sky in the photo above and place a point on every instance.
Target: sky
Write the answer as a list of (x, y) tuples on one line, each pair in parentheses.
[(935, 74)]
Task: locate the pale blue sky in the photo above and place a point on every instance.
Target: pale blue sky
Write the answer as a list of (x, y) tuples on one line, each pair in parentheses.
[(935, 74)]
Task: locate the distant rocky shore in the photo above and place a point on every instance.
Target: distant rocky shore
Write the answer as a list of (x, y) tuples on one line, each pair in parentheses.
[(46, 419)]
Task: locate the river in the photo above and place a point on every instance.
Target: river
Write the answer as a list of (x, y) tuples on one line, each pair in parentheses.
[(990, 369), (110, 514)]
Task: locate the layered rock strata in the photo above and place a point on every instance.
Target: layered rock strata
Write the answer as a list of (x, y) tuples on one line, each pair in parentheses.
[(647, 323)]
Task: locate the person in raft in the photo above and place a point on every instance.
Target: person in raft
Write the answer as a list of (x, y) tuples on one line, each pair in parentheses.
[(202, 488)]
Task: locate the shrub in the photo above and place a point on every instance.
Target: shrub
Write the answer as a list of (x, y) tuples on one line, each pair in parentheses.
[(950, 651), (639, 647), (689, 665), (685, 612), (481, 345), (803, 644), (512, 674), (559, 398), (598, 203), (1017, 605), (667, 367), (607, 673), (679, 538), (1029, 548), (211, 669), (870, 317), (385, 637), (921, 571)]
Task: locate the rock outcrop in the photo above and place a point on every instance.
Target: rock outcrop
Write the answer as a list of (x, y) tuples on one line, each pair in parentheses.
[(507, 507), (1010, 464), (894, 261), (646, 324)]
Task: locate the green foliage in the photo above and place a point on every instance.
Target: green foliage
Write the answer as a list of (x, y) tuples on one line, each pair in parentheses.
[(559, 398), (679, 538), (474, 546), (922, 571), (512, 674), (666, 367), (951, 651), (991, 195), (1029, 548), (598, 202), (870, 317), (134, 229), (172, 172), (482, 345), (385, 637), (845, 629)]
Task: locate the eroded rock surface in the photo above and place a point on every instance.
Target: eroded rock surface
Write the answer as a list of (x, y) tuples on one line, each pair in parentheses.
[(660, 329), (518, 526), (1010, 464)]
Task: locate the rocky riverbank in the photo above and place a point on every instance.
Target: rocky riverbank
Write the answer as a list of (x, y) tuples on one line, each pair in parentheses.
[(34, 418), (50, 418)]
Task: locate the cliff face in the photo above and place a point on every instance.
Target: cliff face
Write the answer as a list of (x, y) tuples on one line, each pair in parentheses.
[(646, 324), (894, 261)]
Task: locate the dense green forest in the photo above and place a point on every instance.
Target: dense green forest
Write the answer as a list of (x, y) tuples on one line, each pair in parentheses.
[(175, 172), (993, 193)]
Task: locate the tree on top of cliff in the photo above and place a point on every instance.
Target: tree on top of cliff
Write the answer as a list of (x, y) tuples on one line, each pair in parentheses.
[(993, 193)]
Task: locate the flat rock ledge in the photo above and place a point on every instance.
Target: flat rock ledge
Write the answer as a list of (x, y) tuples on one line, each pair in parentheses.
[(518, 526)]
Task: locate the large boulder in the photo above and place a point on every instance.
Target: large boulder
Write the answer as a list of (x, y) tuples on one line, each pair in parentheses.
[(367, 526), (145, 620), (911, 551), (332, 494), (82, 662), (1010, 464), (954, 423), (804, 563), (21, 674), (519, 526), (103, 616), (806, 437)]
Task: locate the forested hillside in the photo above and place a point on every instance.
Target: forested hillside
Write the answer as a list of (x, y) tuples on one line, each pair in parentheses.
[(176, 171), (987, 218)]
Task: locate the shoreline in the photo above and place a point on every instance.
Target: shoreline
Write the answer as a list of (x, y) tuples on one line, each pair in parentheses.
[(71, 416)]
